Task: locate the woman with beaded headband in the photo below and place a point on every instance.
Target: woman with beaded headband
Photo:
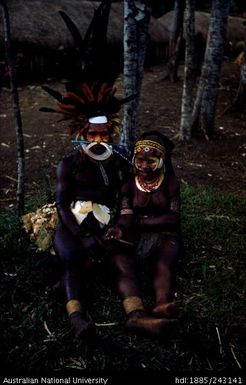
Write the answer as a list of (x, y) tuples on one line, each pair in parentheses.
[(149, 217)]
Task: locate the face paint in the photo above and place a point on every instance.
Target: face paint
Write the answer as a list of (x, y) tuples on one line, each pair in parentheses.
[(98, 133), (98, 136), (145, 163)]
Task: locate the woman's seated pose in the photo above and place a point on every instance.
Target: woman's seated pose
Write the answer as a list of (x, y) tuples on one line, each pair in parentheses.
[(150, 217)]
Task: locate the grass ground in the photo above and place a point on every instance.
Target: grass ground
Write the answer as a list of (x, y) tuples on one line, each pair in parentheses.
[(210, 282)]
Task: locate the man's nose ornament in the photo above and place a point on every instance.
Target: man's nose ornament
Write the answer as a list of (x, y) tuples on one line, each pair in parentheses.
[(107, 150)]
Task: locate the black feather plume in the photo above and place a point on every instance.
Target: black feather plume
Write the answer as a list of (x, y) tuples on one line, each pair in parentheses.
[(48, 109), (97, 30), (127, 99), (95, 64), (56, 94), (76, 36)]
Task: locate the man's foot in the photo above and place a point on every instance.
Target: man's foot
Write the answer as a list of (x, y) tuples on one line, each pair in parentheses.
[(81, 324), (140, 321), (168, 310)]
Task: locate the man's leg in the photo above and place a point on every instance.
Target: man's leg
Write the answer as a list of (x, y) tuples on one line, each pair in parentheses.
[(69, 250)]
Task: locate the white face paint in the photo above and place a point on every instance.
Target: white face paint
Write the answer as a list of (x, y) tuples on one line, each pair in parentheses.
[(147, 163), (98, 119)]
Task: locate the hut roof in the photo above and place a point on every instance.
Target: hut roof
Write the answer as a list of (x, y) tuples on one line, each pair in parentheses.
[(236, 28), (38, 22)]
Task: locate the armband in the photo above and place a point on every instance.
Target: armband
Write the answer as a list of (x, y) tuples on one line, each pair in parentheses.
[(125, 203), (126, 212)]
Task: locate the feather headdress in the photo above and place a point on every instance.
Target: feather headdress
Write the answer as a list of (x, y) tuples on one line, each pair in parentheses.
[(92, 94), (85, 102)]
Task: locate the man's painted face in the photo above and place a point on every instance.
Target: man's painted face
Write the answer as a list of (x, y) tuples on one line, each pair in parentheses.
[(98, 133), (98, 136)]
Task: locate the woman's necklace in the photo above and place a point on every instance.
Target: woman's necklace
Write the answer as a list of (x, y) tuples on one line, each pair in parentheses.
[(149, 186)]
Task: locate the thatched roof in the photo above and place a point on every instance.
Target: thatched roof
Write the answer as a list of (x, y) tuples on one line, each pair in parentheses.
[(38, 22), (236, 30)]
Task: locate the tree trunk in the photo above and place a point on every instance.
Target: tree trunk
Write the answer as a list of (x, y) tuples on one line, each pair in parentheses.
[(17, 114), (176, 35), (189, 71), (136, 23), (206, 98), (240, 101)]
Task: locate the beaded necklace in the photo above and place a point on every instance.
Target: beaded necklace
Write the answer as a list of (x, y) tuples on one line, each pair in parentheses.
[(149, 186)]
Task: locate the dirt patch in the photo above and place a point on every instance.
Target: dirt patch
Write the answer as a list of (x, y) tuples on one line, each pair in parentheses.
[(218, 163)]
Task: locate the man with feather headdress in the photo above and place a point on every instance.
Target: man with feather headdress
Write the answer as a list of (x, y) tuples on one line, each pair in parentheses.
[(87, 185), (87, 179)]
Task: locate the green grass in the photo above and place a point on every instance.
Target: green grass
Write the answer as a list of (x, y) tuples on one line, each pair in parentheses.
[(217, 266), (210, 282)]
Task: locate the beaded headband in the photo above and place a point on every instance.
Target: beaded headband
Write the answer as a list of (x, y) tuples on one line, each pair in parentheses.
[(149, 145)]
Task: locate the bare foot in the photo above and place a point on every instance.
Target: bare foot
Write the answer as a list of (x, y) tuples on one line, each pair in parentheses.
[(168, 310), (140, 321), (81, 324)]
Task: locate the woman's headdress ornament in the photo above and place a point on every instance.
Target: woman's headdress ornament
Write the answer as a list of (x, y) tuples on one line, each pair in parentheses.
[(146, 146), (156, 140)]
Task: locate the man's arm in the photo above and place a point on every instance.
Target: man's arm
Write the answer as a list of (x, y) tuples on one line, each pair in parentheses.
[(64, 198)]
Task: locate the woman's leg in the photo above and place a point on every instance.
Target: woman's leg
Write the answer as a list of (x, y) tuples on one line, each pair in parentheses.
[(137, 319), (167, 256)]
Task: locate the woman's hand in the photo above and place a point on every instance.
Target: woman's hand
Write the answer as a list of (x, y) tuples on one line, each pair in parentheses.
[(113, 233)]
